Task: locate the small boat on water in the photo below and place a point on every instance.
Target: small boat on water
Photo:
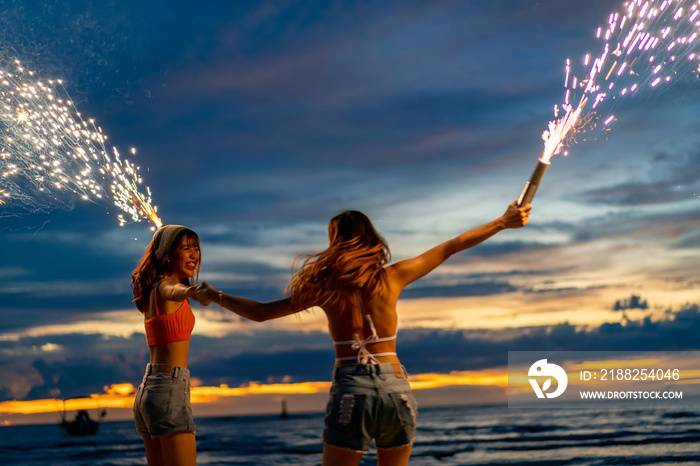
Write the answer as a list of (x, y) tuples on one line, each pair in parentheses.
[(82, 424)]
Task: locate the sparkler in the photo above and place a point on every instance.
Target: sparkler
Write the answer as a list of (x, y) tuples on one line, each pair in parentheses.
[(47, 149), (647, 44)]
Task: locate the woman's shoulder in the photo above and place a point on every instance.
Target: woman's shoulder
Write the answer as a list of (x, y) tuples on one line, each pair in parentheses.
[(167, 281), (159, 301), (394, 276)]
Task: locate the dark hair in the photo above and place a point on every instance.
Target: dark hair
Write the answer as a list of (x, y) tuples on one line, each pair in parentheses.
[(148, 271), (348, 271)]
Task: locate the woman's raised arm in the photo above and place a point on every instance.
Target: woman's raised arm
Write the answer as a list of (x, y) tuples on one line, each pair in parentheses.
[(406, 271)]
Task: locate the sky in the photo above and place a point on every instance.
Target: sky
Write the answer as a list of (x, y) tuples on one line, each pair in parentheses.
[(254, 123)]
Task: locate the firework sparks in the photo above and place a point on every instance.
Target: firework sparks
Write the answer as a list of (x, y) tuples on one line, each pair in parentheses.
[(647, 44), (47, 149)]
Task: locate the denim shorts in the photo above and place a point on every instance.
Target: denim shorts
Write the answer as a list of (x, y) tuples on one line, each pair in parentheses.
[(370, 401), (162, 404)]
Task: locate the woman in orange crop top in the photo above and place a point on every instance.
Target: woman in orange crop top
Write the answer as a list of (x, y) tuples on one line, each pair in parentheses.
[(161, 284), (352, 281)]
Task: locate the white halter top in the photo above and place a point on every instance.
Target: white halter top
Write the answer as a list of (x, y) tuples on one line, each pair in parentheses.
[(363, 354)]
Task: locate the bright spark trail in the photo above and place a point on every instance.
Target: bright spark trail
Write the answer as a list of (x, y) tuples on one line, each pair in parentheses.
[(647, 44), (48, 152)]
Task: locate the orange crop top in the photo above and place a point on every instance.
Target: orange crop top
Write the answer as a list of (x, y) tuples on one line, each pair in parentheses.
[(168, 328)]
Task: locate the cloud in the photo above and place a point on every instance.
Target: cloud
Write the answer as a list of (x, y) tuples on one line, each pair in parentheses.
[(466, 289), (634, 302), (75, 364), (669, 176), (17, 385), (444, 350)]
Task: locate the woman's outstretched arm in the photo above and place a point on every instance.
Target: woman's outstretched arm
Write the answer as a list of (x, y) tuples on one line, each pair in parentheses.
[(404, 272), (171, 290), (247, 308)]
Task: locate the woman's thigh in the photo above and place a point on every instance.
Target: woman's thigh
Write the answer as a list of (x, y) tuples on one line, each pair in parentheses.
[(337, 456), (179, 449), (393, 456)]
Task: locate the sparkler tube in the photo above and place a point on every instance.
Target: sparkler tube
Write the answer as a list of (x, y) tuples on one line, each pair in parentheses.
[(534, 182)]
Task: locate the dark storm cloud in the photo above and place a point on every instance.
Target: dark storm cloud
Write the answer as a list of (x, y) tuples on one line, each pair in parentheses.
[(69, 365), (443, 351), (309, 356), (55, 366)]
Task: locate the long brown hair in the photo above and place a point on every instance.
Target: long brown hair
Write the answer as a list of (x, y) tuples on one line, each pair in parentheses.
[(149, 271), (348, 272)]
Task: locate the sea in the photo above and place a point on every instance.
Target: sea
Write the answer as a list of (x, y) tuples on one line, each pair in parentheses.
[(455, 435)]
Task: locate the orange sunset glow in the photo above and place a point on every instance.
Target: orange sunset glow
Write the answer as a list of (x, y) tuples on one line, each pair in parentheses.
[(122, 395)]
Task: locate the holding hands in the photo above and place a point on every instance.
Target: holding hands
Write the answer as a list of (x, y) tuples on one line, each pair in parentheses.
[(205, 294)]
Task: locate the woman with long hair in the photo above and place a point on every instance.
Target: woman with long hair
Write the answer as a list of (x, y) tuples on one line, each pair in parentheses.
[(162, 286), (352, 281)]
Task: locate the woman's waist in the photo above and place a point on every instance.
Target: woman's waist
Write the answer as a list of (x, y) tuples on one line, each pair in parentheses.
[(362, 360), (163, 368), (160, 375), (369, 374), (170, 354), (348, 349)]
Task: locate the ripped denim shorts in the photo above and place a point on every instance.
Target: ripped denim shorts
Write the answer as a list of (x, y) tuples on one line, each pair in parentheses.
[(162, 403), (370, 401)]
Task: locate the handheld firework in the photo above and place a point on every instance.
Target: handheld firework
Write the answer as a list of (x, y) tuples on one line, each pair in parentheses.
[(646, 44), (533, 183)]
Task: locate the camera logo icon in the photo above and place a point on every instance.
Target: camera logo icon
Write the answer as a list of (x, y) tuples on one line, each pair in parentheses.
[(543, 369)]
